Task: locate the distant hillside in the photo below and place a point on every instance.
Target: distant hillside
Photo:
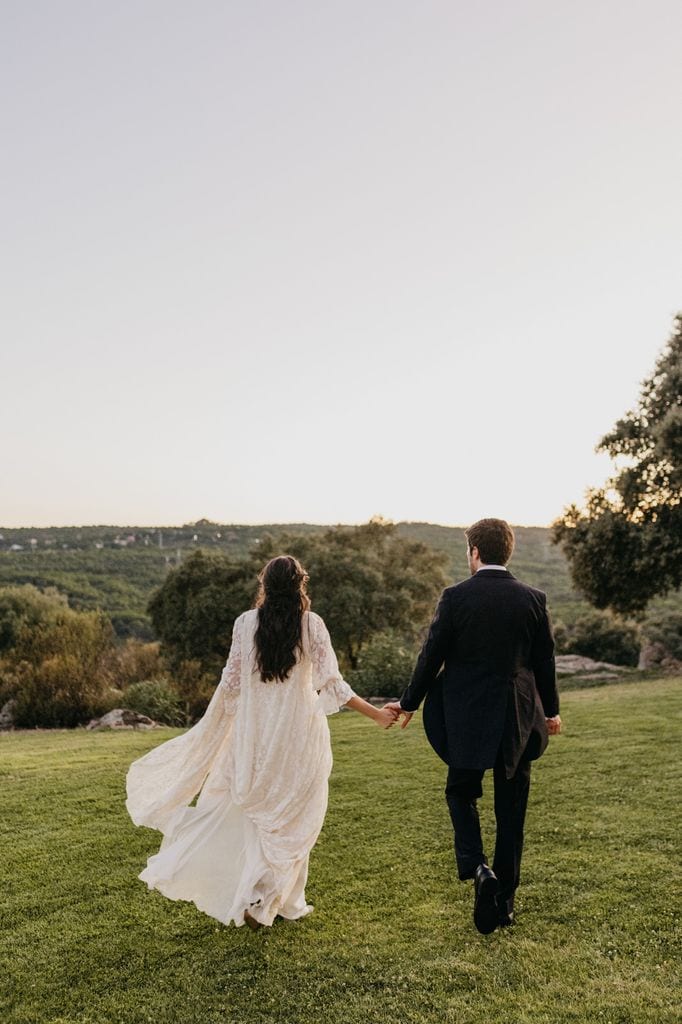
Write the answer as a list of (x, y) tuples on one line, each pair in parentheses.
[(117, 568)]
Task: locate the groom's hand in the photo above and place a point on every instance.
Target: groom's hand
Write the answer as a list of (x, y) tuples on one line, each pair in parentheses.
[(395, 707), (553, 725)]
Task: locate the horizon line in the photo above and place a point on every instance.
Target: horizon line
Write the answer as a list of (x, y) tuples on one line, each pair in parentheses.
[(297, 522)]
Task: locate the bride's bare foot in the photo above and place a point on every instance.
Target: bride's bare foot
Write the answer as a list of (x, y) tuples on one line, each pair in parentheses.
[(253, 924)]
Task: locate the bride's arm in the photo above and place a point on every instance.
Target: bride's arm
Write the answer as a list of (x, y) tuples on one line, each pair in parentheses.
[(382, 716), (335, 692)]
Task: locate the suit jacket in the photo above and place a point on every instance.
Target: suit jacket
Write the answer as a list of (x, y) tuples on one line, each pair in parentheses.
[(492, 638)]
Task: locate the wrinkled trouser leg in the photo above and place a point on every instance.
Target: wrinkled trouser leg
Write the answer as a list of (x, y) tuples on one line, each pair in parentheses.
[(511, 801), (462, 789)]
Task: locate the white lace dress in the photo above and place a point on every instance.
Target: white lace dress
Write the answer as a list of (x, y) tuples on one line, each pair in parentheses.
[(260, 760)]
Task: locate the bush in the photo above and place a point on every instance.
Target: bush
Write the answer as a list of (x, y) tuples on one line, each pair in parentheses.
[(604, 637), (135, 661), (128, 624), (665, 632), (52, 659), (59, 671), (384, 668), (157, 698), (562, 637), (26, 608)]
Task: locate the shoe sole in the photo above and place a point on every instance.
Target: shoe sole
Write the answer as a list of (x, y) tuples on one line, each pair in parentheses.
[(486, 914)]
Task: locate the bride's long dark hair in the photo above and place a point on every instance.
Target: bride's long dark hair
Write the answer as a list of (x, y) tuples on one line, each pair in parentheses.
[(282, 599)]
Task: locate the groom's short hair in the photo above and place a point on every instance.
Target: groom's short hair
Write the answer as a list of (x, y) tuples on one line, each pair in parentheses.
[(494, 539)]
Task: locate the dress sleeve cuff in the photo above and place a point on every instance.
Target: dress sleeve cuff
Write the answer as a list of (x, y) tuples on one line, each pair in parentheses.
[(334, 695)]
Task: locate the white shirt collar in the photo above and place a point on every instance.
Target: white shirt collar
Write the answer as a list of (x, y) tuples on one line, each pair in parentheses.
[(503, 567)]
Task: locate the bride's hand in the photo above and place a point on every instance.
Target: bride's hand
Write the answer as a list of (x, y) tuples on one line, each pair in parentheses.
[(385, 718)]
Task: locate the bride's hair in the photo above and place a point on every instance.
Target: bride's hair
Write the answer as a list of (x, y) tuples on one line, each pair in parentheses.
[(282, 599)]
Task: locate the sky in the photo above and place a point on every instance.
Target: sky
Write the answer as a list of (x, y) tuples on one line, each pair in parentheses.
[(318, 261)]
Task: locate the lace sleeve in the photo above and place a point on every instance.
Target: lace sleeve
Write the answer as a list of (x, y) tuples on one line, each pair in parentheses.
[(333, 689), (230, 679)]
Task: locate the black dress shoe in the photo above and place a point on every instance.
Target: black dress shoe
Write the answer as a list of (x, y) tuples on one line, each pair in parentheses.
[(486, 913), (505, 910)]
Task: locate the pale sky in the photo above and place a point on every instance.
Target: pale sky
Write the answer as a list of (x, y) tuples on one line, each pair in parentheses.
[(270, 261)]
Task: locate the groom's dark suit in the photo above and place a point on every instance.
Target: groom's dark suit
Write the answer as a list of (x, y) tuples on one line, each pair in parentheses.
[(492, 638)]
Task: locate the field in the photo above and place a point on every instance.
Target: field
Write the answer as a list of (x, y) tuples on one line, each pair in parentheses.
[(88, 564), (120, 580), (391, 939)]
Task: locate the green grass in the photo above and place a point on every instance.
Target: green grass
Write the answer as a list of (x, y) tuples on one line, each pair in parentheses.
[(391, 939)]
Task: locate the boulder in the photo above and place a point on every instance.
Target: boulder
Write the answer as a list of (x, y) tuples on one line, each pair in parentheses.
[(576, 664), (122, 718), (7, 714)]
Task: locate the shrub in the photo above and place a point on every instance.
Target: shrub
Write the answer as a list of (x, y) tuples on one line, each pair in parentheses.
[(665, 632), (604, 637), (128, 624), (384, 668), (561, 637), (52, 658), (135, 661), (157, 698), (59, 670), (26, 607)]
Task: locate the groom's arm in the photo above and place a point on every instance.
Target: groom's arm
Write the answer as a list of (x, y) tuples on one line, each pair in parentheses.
[(431, 656), (544, 668)]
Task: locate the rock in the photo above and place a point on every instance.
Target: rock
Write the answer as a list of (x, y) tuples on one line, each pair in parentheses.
[(122, 718), (592, 676), (576, 664), (7, 714)]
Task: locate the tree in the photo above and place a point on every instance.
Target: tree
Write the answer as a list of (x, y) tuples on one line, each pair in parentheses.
[(194, 609), (364, 580), (625, 547)]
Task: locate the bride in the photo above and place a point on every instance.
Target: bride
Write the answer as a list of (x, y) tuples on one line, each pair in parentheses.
[(259, 759)]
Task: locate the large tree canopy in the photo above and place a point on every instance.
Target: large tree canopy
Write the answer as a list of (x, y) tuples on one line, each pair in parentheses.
[(363, 580), (194, 610), (625, 546)]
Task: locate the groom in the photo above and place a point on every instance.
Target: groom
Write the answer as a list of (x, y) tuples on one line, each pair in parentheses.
[(492, 706)]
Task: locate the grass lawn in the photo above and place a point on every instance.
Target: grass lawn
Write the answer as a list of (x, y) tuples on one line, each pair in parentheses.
[(391, 939)]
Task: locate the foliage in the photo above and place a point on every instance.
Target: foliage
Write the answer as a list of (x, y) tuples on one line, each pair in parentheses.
[(25, 608), (117, 581), (196, 686), (194, 610), (385, 666), (134, 660), (665, 631), (54, 659), (604, 637), (625, 547), (158, 699), (391, 939), (120, 580), (364, 580)]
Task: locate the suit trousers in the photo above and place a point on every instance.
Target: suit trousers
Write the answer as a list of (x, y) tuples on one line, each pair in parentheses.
[(462, 790)]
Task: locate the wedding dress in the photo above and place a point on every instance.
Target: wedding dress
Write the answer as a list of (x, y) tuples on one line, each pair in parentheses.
[(260, 760)]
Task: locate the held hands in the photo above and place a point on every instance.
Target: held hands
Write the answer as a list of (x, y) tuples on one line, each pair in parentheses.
[(384, 718), (554, 725), (396, 711)]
